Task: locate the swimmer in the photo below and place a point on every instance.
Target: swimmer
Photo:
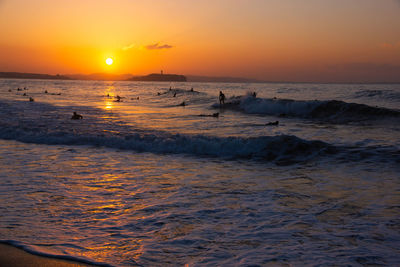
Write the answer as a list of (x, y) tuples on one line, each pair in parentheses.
[(31, 99), (215, 115), (76, 116), (276, 123)]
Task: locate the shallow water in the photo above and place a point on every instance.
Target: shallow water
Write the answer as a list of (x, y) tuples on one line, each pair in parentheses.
[(145, 182)]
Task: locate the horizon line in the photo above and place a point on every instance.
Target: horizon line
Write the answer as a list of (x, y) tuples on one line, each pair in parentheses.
[(243, 79)]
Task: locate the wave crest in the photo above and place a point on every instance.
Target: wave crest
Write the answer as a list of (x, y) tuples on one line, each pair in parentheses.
[(330, 110)]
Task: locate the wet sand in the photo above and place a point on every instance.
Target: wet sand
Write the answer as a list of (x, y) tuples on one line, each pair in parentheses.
[(15, 257)]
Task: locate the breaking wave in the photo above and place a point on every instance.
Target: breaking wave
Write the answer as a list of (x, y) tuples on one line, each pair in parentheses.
[(331, 110), (55, 129), (282, 148)]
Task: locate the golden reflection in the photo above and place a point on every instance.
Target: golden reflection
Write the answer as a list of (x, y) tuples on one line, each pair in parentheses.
[(108, 104), (109, 95)]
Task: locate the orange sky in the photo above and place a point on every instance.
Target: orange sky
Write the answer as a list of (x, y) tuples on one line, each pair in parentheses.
[(290, 40)]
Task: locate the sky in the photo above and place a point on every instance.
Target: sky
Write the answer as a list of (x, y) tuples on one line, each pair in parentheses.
[(271, 40)]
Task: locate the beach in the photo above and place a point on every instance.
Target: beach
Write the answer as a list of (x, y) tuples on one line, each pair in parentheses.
[(11, 256)]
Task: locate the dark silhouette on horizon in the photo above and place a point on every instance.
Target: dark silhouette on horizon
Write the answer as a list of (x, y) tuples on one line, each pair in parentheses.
[(76, 116)]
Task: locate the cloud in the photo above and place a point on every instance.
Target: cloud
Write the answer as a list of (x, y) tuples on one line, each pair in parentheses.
[(390, 45), (157, 46), (128, 47)]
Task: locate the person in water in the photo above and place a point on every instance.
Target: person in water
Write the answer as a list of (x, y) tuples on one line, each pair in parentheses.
[(76, 116), (275, 123), (221, 98)]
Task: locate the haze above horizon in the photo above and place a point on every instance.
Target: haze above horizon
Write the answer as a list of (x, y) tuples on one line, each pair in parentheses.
[(274, 40)]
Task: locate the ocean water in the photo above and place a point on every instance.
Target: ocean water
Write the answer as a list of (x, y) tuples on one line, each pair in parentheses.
[(145, 181)]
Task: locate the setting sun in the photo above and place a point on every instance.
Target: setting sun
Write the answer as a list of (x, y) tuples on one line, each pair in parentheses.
[(109, 61)]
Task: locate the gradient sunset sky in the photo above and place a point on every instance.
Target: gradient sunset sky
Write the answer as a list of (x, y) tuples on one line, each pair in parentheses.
[(274, 40)]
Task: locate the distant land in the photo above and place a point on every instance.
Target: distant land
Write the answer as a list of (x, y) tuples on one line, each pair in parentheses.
[(20, 75), (157, 77), (127, 77)]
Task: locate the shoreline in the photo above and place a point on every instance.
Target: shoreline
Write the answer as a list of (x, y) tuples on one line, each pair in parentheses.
[(16, 257)]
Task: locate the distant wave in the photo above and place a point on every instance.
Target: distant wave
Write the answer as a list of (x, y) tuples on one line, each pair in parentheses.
[(331, 110), (384, 94)]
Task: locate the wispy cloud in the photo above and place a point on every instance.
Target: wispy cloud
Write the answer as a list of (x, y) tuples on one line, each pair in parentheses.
[(390, 45), (128, 47), (158, 46)]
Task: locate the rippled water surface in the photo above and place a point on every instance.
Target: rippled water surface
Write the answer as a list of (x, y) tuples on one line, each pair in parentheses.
[(146, 182)]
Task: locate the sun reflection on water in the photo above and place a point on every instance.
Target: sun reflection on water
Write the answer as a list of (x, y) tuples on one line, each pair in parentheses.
[(109, 94)]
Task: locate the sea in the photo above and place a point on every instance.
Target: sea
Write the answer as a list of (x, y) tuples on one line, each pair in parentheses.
[(162, 174)]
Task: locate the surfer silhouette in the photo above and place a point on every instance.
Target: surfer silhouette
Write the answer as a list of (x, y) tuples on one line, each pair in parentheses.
[(221, 98), (76, 116), (275, 123)]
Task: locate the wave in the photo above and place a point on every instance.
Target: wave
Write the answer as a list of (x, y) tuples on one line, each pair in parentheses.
[(32, 127), (330, 110), (281, 149), (384, 94)]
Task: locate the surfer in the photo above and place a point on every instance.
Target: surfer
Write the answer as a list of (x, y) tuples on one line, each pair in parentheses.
[(76, 116), (182, 104), (275, 123), (221, 98), (31, 99), (215, 115)]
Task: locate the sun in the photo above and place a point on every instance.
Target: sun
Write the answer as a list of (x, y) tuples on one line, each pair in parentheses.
[(109, 61)]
